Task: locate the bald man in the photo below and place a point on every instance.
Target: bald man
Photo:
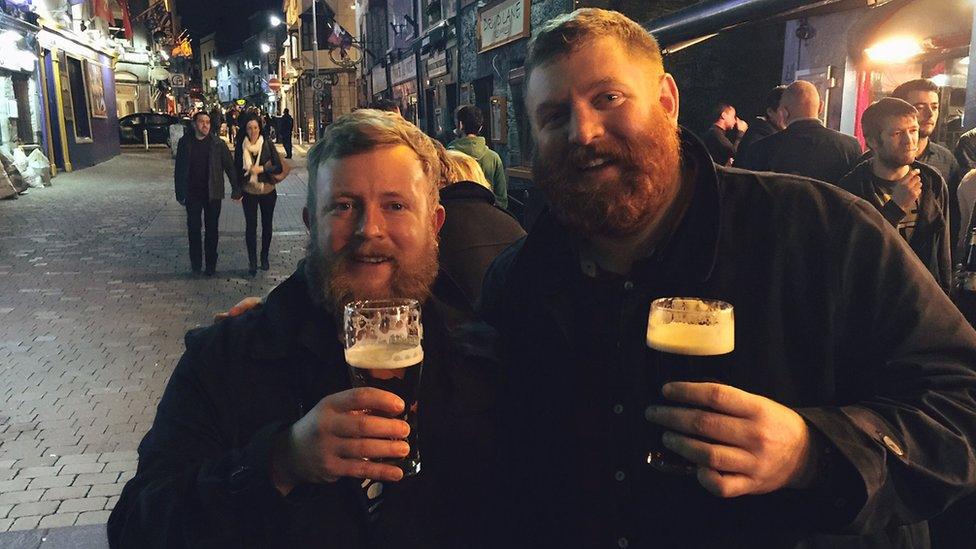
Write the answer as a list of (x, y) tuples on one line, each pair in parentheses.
[(805, 147)]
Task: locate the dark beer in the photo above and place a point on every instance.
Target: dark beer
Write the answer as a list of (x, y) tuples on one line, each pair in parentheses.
[(393, 367)]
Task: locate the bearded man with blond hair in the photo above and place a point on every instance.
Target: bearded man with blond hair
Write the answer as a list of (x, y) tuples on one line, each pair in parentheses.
[(259, 440), (842, 418)]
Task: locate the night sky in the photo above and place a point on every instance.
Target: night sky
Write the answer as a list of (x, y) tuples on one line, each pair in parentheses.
[(202, 17)]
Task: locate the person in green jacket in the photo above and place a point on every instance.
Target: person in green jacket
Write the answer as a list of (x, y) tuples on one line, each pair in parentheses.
[(470, 120)]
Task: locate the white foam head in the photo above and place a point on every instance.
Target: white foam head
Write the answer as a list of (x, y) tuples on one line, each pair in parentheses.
[(378, 356)]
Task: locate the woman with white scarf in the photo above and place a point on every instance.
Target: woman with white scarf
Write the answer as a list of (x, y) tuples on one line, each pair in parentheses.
[(257, 160)]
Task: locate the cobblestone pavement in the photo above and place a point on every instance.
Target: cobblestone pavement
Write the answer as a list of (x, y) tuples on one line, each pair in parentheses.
[(95, 296)]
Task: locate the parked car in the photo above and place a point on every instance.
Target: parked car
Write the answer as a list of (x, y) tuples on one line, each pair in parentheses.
[(131, 127)]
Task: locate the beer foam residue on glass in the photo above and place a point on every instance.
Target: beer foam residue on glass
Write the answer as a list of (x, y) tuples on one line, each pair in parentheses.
[(378, 356)]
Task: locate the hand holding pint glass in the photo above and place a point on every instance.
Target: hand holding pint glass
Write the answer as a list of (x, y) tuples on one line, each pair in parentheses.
[(686, 331), (383, 350)]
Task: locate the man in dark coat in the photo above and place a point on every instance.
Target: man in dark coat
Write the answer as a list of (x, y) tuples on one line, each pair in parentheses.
[(475, 231), (723, 135), (839, 419), (910, 195), (286, 124), (770, 122), (259, 440), (805, 147), (202, 160)]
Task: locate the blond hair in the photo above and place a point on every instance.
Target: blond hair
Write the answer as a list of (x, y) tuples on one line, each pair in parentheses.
[(462, 167), (566, 33), (364, 130)]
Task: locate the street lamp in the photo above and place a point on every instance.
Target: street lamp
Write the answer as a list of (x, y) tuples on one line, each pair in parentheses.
[(214, 63), (265, 48), (275, 20)]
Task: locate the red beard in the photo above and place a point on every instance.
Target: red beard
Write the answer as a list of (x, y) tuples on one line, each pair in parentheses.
[(650, 168)]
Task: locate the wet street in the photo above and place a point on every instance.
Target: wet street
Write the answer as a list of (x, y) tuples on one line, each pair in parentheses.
[(95, 297)]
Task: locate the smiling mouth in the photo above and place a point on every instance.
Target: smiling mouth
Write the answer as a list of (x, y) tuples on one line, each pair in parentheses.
[(371, 259), (593, 164)]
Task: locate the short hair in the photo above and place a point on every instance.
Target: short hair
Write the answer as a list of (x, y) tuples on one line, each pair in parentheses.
[(872, 121), (388, 105), (719, 109), (199, 114), (774, 96), (470, 117), (463, 167), (258, 119), (364, 130), (566, 33), (919, 84)]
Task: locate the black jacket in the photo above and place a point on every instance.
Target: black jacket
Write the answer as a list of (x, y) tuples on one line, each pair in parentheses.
[(930, 240), (221, 163), (721, 144), (758, 129), (834, 317), (804, 148), (475, 231), (203, 476)]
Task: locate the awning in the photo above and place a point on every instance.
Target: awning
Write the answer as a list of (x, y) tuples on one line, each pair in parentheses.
[(701, 21)]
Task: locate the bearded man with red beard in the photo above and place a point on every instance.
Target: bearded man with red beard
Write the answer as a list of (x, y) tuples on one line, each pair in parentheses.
[(259, 440), (852, 376)]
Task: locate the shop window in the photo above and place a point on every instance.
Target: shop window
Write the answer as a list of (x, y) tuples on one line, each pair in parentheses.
[(79, 98)]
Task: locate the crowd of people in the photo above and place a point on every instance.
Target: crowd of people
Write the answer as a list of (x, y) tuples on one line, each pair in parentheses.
[(844, 417)]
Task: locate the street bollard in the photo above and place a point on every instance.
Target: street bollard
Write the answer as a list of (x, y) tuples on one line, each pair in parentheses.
[(145, 137)]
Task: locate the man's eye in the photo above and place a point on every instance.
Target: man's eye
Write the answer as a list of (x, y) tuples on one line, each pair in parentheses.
[(397, 206), (342, 206)]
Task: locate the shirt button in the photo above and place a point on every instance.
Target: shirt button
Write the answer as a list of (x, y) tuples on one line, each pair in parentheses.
[(892, 445), (623, 543), (628, 286), (619, 476), (618, 409)]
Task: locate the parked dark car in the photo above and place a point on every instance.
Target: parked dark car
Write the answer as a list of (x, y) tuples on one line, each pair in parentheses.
[(131, 127)]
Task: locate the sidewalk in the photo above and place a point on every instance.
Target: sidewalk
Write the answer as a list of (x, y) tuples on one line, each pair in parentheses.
[(95, 296)]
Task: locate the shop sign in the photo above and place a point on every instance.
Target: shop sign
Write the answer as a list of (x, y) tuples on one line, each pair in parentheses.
[(404, 70), (437, 64), (378, 78), (502, 22)]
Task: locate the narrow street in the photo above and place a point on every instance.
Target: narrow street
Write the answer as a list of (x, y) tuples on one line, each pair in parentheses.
[(95, 296)]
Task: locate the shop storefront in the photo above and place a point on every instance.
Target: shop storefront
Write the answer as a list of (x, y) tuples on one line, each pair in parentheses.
[(403, 74), (79, 93), (20, 106), (440, 91)]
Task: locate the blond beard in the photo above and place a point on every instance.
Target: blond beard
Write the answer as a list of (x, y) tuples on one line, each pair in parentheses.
[(331, 287)]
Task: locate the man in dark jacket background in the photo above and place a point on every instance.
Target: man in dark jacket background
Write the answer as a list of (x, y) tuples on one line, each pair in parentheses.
[(259, 441), (286, 124), (202, 160), (805, 147), (911, 195), (724, 134), (770, 122)]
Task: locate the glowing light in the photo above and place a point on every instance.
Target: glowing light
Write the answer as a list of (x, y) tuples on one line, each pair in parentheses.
[(894, 50), (941, 80), (275, 20), (265, 48), (214, 63)]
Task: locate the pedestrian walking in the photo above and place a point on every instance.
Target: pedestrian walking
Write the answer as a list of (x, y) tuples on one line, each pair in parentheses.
[(470, 121), (257, 161), (202, 160), (286, 124)]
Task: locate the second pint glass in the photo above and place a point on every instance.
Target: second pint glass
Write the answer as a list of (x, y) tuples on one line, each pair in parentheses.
[(383, 350), (687, 331)]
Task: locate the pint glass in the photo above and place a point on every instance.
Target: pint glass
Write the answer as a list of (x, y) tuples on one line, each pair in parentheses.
[(687, 331), (383, 350)]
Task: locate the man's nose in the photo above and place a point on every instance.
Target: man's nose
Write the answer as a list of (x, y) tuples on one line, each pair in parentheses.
[(585, 126), (371, 222)]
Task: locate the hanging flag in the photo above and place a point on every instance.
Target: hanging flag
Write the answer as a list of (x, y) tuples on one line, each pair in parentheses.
[(101, 10), (339, 37), (126, 18)]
